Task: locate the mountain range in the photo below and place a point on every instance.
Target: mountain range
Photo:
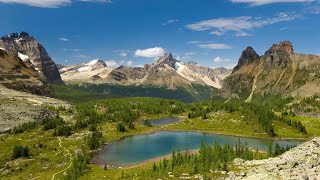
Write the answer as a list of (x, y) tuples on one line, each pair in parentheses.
[(25, 64), (166, 72)]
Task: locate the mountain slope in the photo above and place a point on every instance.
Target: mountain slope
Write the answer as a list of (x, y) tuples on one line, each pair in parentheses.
[(15, 74), (215, 76), (278, 71), (33, 54)]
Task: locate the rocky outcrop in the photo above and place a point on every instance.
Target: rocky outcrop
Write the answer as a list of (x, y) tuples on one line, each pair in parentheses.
[(32, 52), (15, 74), (301, 162), (168, 60), (278, 71), (284, 47), (248, 56)]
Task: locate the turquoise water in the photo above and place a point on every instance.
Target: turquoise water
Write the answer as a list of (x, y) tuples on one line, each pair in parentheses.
[(139, 148), (162, 121)]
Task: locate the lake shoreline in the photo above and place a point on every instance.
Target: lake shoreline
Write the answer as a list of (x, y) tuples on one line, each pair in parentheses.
[(99, 162)]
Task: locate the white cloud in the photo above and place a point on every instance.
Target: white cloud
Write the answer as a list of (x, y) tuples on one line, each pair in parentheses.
[(242, 34), (112, 63), (214, 46), (129, 63), (50, 3), (264, 2), (187, 55), (40, 3), (217, 33), (82, 56), (171, 21), (64, 39), (220, 59), (150, 53), (123, 54), (193, 42), (74, 50), (239, 25), (284, 28)]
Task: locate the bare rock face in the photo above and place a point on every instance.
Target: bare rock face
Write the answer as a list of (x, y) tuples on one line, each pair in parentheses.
[(278, 71), (15, 74), (21, 44), (212, 73), (128, 74), (248, 56), (167, 59), (285, 47)]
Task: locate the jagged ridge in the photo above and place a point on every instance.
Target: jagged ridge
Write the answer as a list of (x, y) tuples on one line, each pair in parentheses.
[(33, 54), (278, 71)]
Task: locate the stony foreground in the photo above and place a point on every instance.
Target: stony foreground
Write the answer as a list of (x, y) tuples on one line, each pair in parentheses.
[(18, 107), (302, 162)]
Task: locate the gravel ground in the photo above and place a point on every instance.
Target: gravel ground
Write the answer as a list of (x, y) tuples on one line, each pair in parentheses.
[(18, 107)]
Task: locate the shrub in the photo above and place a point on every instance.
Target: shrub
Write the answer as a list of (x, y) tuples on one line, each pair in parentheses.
[(19, 151)]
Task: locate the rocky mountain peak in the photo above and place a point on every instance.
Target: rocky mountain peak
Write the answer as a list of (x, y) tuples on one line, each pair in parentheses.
[(167, 59), (16, 35), (23, 45), (284, 46), (248, 56), (101, 63), (97, 63)]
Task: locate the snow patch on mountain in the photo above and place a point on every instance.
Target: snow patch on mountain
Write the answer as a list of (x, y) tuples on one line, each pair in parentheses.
[(85, 69), (93, 62), (23, 56), (85, 72)]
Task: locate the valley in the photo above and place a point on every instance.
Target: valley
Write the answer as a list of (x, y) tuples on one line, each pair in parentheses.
[(161, 116)]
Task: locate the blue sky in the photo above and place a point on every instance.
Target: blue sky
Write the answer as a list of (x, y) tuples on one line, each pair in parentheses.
[(134, 32)]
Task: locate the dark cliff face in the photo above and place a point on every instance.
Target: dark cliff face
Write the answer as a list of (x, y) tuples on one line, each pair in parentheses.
[(248, 56), (16, 43)]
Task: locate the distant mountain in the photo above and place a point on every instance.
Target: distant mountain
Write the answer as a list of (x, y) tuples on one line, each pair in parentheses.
[(15, 74), (216, 75), (278, 71), (33, 54), (166, 72), (95, 71)]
